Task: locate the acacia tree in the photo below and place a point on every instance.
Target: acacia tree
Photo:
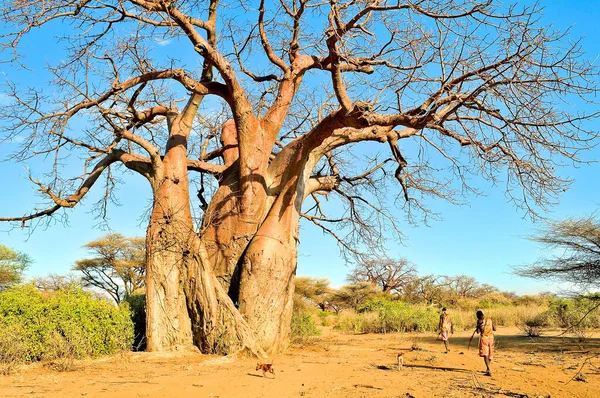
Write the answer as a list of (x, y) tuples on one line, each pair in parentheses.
[(316, 291), (354, 295), (118, 267), (468, 88), (12, 266), (386, 273), (576, 243)]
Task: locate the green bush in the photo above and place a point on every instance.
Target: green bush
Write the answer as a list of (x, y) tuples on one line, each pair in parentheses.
[(327, 318), (568, 313), (137, 307), (69, 322), (303, 327), (494, 300), (397, 316), (383, 316)]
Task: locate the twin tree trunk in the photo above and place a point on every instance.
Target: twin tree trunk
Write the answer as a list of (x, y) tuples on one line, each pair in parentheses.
[(229, 287)]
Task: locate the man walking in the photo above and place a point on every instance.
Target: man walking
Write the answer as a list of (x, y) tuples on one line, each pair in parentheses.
[(485, 328), (446, 328)]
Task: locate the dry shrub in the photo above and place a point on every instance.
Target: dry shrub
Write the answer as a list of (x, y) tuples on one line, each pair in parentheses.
[(13, 348), (415, 344), (62, 351), (351, 322), (328, 318), (304, 327), (347, 320), (581, 334), (501, 315), (533, 327)]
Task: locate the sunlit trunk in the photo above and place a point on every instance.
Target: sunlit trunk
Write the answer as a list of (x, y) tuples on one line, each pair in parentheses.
[(170, 230)]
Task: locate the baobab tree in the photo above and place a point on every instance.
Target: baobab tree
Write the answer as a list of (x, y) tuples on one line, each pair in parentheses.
[(390, 275), (267, 102)]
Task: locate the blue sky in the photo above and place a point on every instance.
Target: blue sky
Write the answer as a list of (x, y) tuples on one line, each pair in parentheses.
[(483, 238)]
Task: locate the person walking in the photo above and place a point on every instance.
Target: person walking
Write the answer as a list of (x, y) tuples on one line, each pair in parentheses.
[(446, 328), (485, 328)]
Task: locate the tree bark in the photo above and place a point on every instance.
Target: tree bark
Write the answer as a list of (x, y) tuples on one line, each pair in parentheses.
[(186, 305), (217, 325), (269, 270), (168, 325)]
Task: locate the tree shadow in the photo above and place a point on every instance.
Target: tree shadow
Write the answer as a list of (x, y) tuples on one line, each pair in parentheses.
[(524, 343), (394, 368)]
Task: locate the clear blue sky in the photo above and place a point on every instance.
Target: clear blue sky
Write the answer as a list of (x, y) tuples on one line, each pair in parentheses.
[(482, 239)]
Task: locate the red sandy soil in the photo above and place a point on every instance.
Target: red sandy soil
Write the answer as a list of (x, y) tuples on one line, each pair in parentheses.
[(336, 365)]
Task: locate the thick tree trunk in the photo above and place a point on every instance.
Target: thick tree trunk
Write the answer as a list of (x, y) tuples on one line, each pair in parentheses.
[(185, 303), (266, 290), (227, 229), (217, 325), (224, 234), (268, 274), (168, 326)]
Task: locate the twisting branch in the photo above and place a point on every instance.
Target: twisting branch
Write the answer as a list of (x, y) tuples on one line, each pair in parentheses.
[(72, 199)]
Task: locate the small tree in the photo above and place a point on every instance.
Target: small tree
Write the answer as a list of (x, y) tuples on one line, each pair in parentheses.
[(54, 282), (391, 275), (12, 266), (575, 244), (118, 267), (314, 290), (428, 289), (354, 295), (463, 286)]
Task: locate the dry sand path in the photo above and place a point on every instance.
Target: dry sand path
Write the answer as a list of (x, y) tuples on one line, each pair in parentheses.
[(335, 365)]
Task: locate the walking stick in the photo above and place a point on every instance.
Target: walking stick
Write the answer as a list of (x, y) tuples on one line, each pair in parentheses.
[(471, 339)]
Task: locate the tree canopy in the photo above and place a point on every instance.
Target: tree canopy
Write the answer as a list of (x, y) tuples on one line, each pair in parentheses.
[(118, 266), (572, 253), (12, 266)]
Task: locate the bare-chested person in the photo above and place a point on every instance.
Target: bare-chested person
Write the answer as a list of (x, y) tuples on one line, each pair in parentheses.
[(485, 328), (446, 328)]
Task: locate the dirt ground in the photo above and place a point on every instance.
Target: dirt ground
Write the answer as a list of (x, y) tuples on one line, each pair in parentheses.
[(337, 365)]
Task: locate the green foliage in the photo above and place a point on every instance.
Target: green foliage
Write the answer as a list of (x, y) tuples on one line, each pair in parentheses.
[(303, 327), (64, 323), (12, 266), (137, 306), (355, 295), (534, 327), (12, 347), (494, 300), (118, 266), (327, 318), (314, 290), (397, 316), (383, 316), (581, 312)]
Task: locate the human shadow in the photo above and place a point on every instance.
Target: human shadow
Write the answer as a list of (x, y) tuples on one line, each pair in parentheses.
[(444, 368), (255, 375)]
